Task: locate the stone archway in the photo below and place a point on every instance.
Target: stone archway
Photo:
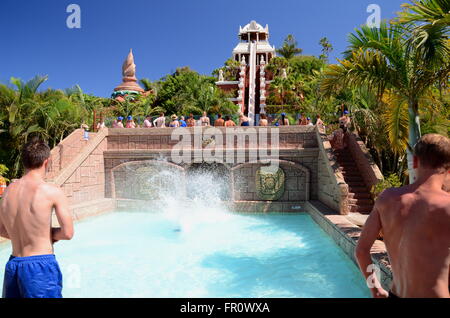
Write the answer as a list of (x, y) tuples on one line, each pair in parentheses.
[(147, 180), (211, 179)]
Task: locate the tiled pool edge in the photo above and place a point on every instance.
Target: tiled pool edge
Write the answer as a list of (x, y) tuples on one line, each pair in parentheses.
[(346, 235), (236, 206)]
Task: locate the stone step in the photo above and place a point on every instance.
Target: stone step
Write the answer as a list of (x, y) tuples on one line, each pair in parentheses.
[(348, 166), (359, 195), (360, 201), (354, 178), (357, 218), (363, 212), (347, 173), (346, 160), (344, 157), (355, 183), (361, 208), (358, 190)]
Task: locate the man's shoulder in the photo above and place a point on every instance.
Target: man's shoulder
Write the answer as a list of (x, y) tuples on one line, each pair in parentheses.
[(392, 194), (50, 188), (441, 202)]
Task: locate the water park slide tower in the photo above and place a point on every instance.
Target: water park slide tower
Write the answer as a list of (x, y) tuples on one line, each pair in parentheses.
[(253, 52)]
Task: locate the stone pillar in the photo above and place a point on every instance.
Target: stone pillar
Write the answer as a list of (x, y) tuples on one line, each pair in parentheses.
[(262, 92), (241, 85), (252, 84)]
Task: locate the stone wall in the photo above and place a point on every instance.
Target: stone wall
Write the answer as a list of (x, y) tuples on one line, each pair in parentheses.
[(83, 179), (304, 157), (297, 145), (63, 154), (367, 167), (293, 137), (333, 190)]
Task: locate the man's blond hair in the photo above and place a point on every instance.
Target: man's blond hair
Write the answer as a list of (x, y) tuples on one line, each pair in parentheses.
[(433, 151)]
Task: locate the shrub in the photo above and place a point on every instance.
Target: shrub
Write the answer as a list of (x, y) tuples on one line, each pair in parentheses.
[(392, 181), (3, 171)]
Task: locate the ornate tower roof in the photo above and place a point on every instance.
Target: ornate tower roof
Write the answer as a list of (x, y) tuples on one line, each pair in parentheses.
[(253, 27), (129, 81)]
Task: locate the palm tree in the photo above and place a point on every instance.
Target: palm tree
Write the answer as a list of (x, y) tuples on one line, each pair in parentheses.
[(21, 106), (427, 13), (387, 59), (289, 48), (327, 48)]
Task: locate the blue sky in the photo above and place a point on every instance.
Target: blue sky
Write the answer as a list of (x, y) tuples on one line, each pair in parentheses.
[(164, 35)]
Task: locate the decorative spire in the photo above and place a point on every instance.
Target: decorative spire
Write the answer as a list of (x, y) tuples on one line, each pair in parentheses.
[(129, 81), (128, 67)]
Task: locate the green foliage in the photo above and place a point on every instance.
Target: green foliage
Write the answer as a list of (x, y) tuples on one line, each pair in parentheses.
[(278, 109), (289, 48), (392, 181), (401, 64), (50, 115), (300, 90), (3, 170), (327, 48), (186, 92), (230, 70)]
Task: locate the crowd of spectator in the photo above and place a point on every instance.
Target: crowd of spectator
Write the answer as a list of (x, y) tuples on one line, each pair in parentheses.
[(204, 121)]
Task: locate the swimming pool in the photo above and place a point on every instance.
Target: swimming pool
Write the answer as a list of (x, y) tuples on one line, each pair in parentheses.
[(130, 254)]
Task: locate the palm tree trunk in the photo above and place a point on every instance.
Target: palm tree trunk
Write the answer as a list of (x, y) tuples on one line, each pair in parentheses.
[(414, 136)]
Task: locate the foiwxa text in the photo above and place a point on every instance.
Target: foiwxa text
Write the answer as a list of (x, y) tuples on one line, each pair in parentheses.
[(228, 146)]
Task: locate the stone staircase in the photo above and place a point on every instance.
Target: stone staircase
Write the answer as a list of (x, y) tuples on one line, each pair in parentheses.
[(359, 196)]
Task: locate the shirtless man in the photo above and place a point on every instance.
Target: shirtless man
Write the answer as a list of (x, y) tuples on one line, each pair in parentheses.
[(219, 122), (415, 221), (191, 121), (25, 218)]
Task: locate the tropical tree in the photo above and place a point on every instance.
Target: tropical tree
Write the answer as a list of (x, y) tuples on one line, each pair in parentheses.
[(327, 48), (290, 48), (393, 59), (426, 13), (186, 92), (230, 70), (50, 115)]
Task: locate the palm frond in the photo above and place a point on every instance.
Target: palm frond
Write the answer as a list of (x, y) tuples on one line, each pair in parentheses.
[(395, 116)]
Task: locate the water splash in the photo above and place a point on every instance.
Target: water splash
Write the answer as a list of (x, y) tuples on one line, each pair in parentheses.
[(191, 199)]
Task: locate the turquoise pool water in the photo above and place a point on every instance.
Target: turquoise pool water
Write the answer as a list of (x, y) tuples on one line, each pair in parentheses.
[(229, 255)]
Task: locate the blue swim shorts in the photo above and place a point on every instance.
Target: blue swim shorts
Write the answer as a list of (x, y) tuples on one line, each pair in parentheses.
[(32, 277)]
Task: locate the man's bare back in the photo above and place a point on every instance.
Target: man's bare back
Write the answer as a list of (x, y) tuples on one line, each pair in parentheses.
[(32, 270), (415, 222), (25, 213), (416, 229)]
